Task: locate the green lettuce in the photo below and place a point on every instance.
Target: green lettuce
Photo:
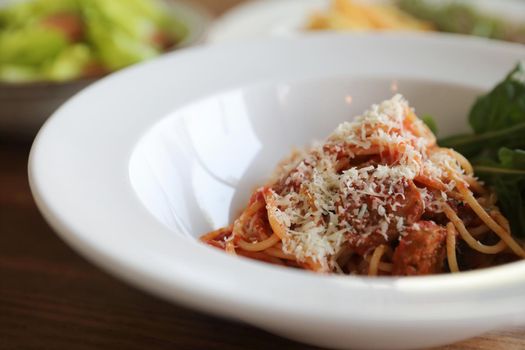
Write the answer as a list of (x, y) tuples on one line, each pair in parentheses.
[(116, 34)]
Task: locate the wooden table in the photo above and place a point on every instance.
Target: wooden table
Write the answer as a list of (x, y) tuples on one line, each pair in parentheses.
[(51, 298)]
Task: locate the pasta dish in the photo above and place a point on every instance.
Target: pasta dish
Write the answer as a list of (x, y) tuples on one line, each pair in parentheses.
[(378, 197), (352, 15)]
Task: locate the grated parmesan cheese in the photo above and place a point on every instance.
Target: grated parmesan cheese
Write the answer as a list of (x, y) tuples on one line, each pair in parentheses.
[(322, 206)]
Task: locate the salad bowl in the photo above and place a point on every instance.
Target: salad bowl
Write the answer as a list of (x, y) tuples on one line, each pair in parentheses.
[(27, 104)]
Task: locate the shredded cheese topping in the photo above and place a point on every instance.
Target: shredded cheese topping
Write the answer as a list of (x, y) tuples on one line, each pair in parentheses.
[(322, 201)]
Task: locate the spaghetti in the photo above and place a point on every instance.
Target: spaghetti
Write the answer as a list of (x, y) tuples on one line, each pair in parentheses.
[(378, 197)]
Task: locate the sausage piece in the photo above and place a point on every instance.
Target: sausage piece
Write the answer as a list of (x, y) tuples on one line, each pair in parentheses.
[(421, 251)]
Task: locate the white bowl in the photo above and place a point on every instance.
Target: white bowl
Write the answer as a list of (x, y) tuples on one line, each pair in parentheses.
[(132, 170)]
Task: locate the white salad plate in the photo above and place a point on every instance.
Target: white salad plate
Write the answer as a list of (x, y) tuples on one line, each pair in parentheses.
[(132, 170), (287, 18)]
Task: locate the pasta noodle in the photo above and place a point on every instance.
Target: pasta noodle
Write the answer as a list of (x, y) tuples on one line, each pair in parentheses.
[(378, 197)]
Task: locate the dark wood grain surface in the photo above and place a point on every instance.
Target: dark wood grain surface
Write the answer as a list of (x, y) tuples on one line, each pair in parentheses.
[(51, 298)]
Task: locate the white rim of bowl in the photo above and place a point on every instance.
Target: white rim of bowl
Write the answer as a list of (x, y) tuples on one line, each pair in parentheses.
[(66, 165)]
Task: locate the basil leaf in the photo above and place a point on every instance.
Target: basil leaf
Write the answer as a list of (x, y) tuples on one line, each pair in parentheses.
[(514, 159), (503, 107), (497, 118), (507, 177)]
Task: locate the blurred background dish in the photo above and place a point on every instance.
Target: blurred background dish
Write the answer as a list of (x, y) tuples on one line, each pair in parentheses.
[(497, 19), (51, 49)]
